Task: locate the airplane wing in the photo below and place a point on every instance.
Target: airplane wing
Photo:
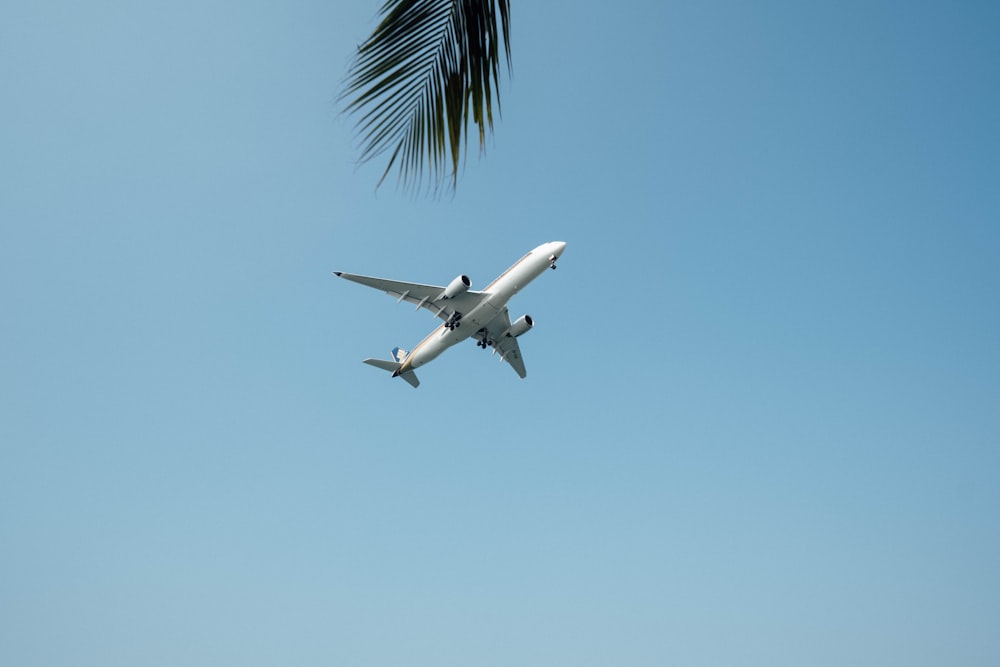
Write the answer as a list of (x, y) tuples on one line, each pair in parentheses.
[(504, 344), (425, 296)]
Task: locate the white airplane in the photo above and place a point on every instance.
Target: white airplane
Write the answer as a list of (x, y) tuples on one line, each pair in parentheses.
[(483, 314)]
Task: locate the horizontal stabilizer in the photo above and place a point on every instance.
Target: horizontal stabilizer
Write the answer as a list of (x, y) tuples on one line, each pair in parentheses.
[(390, 366), (393, 367), (411, 377)]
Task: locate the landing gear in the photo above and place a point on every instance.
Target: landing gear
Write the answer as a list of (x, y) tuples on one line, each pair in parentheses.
[(485, 341), (454, 321), (552, 262)]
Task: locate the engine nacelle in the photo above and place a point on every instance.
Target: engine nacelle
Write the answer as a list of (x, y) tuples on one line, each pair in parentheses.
[(520, 326), (456, 287)]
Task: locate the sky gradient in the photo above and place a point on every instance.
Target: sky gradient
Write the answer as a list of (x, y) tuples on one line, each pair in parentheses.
[(760, 423)]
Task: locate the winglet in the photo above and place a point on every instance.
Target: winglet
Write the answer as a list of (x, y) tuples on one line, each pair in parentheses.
[(337, 273)]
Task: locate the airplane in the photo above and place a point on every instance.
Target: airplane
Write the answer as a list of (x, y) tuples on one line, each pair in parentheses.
[(466, 313)]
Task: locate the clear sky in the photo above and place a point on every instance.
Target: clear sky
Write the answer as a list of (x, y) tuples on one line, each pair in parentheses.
[(761, 423)]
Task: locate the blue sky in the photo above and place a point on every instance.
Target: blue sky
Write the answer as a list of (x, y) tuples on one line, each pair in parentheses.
[(760, 422)]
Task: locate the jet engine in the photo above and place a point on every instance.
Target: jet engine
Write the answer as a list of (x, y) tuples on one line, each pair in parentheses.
[(456, 287), (521, 326)]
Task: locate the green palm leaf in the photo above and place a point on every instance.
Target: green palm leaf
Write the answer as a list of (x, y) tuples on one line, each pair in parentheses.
[(429, 67)]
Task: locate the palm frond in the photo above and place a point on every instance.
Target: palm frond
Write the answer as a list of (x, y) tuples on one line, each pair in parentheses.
[(429, 67)]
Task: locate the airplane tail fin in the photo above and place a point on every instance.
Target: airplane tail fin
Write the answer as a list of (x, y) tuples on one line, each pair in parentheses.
[(393, 367)]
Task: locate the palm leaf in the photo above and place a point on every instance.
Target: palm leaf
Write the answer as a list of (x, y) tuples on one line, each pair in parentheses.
[(429, 67)]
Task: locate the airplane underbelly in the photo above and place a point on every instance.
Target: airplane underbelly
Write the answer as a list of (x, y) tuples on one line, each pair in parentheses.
[(482, 315), (439, 341)]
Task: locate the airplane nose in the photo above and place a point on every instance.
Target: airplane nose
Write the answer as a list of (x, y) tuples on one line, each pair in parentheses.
[(560, 246)]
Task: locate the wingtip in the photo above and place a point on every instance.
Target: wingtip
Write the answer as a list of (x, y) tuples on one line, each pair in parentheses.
[(337, 273)]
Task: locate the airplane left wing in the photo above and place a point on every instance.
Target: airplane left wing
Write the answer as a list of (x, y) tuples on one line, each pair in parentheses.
[(424, 296), (504, 344)]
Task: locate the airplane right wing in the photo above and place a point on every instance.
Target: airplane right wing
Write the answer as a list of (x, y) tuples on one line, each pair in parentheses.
[(424, 296), (504, 344)]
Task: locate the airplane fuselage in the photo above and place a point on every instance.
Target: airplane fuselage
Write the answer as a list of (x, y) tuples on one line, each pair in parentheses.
[(499, 292)]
